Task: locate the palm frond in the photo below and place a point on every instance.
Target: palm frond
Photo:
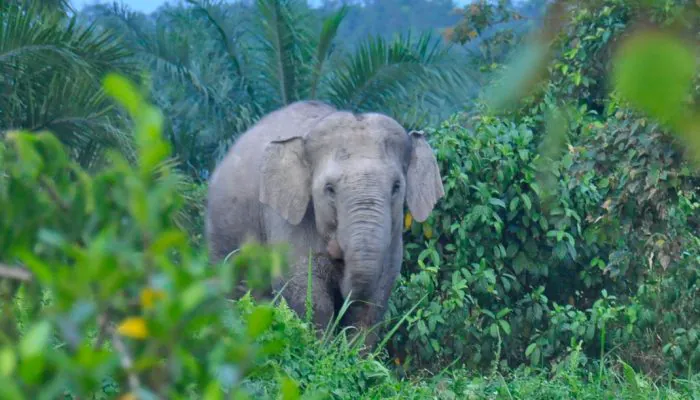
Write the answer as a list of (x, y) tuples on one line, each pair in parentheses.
[(213, 15), (79, 114), (50, 72), (160, 48), (287, 44), (329, 30), (230, 38), (49, 5), (383, 71), (192, 75), (25, 42)]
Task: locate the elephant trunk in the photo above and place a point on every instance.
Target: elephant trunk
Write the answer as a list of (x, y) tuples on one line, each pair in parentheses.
[(366, 236)]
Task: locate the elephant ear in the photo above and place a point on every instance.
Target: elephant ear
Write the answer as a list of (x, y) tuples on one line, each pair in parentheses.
[(423, 181), (285, 178)]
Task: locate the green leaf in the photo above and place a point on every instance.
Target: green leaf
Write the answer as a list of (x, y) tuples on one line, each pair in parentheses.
[(124, 92), (193, 295), (213, 391), (329, 31), (503, 313), (380, 71), (10, 390), (36, 340), (290, 389), (520, 77), (514, 203), (527, 201), (259, 321), (631, 378), (530, 349), (497, 202), (493, 330), (654, 71), (285, 39), (505, 326), (8, 361)]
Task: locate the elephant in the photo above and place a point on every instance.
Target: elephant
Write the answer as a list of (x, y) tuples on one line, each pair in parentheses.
[(331, 182)]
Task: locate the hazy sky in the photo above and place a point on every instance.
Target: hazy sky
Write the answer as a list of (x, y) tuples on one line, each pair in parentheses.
[(138, 5), (150, 5)]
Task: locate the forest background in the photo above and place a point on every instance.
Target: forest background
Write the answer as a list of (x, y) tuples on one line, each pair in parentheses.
[(562, 263)]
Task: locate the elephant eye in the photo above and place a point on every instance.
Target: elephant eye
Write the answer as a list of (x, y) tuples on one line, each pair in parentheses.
[(397, 186), (329, 189)]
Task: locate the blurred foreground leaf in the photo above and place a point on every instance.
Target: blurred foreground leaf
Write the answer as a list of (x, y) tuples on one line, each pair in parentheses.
[(104, 260), (654, 71)]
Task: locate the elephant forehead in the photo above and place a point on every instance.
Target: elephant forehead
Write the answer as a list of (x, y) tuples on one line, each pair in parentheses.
[(345, 136), (360, 171)]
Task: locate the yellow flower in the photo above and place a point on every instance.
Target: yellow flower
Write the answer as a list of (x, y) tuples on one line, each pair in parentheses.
[(407, 220), (473, 34), (128, 396), (149, 296), (133, 327)]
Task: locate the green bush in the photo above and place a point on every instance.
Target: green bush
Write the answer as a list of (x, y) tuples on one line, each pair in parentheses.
[(561, 224), (492, 248), (517, 266), (101, 288)]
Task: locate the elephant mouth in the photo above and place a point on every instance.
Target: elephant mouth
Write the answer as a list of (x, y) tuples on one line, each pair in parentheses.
[(335, 252), (338, 263)]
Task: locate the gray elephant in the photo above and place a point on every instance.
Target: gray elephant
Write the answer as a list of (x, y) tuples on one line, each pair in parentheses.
[(331, 182)]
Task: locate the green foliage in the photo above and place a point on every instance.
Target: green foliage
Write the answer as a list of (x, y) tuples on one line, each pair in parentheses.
[(103, 296), (572, 219), (230, 64), (104, 284), (568, 237), (51, 67), (476, 26)]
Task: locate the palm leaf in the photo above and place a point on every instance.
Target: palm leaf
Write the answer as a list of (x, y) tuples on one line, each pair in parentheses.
[(381, 72), (193, 78), (48, 5), (156, 49), (287, 45), (229, 38), (329, 31), (50, 72)]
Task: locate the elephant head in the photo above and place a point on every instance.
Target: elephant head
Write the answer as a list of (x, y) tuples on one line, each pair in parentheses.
[(358, 171)]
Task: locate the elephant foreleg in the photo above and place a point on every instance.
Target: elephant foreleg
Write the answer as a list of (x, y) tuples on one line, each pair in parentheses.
[(322, 299)]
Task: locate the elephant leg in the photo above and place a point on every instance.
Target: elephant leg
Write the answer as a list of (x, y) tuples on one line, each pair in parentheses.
[(321, 297)]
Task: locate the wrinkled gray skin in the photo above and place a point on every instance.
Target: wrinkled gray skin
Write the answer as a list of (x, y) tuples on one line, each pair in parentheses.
[(332, 182)]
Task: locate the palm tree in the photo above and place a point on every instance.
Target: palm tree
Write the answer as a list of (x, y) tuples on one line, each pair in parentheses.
[(50, 73), (217, 67)]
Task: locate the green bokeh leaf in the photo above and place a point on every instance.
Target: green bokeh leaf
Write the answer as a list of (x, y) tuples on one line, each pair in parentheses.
[(35, 341), (259, 321), (8, 361), (290, 389), (654, 71)]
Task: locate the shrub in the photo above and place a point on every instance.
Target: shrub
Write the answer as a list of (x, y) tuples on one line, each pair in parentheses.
[(546, 241), (516, 266), (101, 289)]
